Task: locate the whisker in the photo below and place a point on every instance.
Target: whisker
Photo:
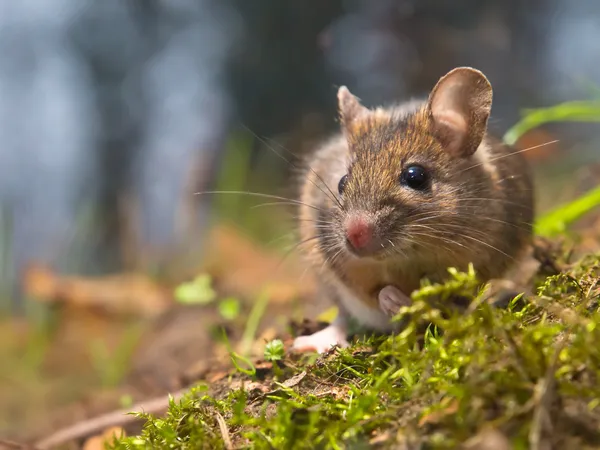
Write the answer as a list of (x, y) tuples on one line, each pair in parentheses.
[(437, 237), (300, 219), (259, 194), (419, 242), (492, 219), (459, 227), (499, 200), (509, 154), (335, 257), (286, 203), (331, 195), (295, 247), (487, 245)]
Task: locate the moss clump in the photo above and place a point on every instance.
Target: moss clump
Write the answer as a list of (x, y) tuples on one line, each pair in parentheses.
[(529, 372)]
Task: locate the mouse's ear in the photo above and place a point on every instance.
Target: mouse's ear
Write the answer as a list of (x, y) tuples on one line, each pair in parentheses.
[(350, 108), (459, 106)]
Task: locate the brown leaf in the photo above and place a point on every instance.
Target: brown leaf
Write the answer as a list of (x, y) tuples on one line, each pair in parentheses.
[(437, 416), (295, 380), (98, 442)]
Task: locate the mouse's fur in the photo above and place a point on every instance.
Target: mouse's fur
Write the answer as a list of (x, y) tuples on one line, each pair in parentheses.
[(478, 209)]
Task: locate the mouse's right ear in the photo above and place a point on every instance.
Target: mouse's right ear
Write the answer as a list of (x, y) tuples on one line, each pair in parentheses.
[(459, 106), (350, 109)]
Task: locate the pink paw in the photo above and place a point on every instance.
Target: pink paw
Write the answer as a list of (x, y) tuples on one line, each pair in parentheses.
[(322, 341), (391, 299)]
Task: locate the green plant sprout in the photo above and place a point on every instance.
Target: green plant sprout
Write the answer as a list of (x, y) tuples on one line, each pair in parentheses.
[(274, 350)]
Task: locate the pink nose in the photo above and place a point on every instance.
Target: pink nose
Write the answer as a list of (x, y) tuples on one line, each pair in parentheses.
[(359, 232)]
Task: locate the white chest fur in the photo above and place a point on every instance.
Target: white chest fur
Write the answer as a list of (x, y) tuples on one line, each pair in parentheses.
[(365, 315)]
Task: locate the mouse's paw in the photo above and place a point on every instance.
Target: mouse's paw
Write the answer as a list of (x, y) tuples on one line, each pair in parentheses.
[(391, 299), (322, 341)]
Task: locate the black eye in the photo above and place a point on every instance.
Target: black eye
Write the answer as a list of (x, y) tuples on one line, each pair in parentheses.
[(415, 177), (342, 184)]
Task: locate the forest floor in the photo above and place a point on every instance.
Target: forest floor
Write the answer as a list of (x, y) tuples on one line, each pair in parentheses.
[(203, 361)]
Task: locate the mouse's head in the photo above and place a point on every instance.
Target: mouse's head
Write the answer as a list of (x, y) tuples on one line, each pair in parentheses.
[(408, 170)]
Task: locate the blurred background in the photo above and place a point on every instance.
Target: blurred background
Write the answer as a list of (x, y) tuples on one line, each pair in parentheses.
[(113, 114)]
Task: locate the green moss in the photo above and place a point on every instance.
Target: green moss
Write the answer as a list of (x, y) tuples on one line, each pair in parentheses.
[(509, 369)]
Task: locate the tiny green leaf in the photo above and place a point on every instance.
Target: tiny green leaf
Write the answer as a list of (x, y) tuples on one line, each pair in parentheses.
[(229, 308), (198, 291), (126, 401)]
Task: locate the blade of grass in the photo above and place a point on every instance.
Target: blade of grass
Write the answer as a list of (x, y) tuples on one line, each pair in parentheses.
[(236, 358), (257, 312), (234, 174), (575, 111), (557, 220)]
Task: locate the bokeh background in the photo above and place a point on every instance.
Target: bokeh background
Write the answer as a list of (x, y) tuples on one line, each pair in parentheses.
[(113, 114)]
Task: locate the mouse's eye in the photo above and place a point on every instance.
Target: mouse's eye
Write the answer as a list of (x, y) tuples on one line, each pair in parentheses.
[(415, 177), (342, 184)]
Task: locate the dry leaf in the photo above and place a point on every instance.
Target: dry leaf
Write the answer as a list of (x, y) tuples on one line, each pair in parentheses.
[(98, 442), (118, 294)]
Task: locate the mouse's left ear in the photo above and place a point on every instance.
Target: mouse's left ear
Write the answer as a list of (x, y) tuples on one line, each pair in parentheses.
[(350, 109), (459, 106)]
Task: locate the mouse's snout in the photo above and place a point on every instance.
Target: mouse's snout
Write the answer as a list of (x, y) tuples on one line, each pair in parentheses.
[(360, 234)]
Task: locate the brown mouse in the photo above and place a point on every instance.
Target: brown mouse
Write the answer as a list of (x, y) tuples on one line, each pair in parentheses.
[(403, 193)]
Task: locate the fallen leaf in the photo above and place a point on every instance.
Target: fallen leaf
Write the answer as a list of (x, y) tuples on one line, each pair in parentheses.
[(217, 376), (487, 439), (380, 438), (295, 380)]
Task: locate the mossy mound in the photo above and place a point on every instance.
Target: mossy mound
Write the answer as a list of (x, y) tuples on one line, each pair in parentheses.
[(524, 376)]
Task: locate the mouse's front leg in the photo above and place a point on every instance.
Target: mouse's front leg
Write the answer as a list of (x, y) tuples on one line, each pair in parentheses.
[(335, 334), (391, 299)]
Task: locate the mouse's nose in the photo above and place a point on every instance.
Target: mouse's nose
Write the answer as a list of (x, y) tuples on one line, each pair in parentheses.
[(359, 232)]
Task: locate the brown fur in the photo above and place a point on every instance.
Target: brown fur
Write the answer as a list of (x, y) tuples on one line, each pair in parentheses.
[(479, 208)]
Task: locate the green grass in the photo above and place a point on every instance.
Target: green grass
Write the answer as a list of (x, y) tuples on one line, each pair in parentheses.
[(237, 175), (557, 220), (574, 111)]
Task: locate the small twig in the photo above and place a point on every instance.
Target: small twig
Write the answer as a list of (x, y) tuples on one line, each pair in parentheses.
[(224, 431), (5, 444), (116, 418), (545, 393), (520, 365), (591, 288)]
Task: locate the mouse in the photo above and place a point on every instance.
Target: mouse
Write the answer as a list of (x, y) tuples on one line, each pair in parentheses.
[(401, 193)]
